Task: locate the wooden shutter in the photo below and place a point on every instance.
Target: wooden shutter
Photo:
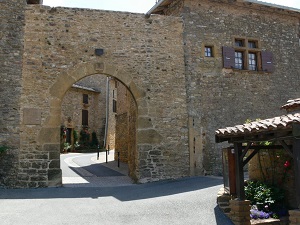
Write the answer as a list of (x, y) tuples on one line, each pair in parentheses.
[(85, 117), (228, 57), (267, 61)]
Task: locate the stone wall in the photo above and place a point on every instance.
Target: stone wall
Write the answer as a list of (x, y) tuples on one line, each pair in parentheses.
[(126, 119), (161, 62), (11, 45), (219, 97), (146, 55)]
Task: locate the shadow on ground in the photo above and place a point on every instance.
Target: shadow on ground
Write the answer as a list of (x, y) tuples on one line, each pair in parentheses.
[(97, 170), (221, 217), (122, 193)]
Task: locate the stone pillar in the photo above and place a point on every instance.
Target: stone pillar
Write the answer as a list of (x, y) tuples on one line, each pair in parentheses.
[(240, 212), (294, 217)]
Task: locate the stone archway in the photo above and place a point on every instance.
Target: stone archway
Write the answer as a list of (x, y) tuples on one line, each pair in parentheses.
[(49, 134)]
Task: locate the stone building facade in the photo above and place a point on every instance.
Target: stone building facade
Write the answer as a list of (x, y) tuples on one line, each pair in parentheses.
[(83, 108), (219, 94), (177, 67)]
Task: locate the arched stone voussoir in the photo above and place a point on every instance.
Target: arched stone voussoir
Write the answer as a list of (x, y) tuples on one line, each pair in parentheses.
[(109, 69), (137, 92), (52, 120), (55, 102), (62, 84), (123, 77), (86, 69)]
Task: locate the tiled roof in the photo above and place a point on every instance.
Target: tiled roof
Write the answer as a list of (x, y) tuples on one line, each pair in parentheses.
[(84, 88), (276, 123), (291, 103)]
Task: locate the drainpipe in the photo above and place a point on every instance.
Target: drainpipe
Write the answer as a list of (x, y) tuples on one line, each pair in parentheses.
[(107, 112), (148, 14)]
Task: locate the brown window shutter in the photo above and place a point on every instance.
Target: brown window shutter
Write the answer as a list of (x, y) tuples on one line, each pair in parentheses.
[(228, 57), (267, 61)]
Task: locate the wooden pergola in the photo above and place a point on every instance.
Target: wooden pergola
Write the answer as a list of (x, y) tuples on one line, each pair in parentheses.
[(283, 131)]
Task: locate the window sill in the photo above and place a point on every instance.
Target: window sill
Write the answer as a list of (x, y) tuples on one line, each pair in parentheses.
[(227, 71)]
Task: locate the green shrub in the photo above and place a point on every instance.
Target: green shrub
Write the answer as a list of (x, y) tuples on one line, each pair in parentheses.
[(95, 141), (263, 195), (75, 136), (84, 137)]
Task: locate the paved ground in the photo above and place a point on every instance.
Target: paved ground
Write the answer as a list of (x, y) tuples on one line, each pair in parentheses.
[(184, 201), (84, 170)]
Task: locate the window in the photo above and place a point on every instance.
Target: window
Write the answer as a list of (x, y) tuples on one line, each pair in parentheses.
[(114, 106), (85, 98), (208, 51), (34, 2), (239, 60), (252, 44), (85, 117), (244, 59), (247, 55), (239, 43), (252, 61)]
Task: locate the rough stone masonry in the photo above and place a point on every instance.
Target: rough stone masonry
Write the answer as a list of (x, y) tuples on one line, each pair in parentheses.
[(181, 96)]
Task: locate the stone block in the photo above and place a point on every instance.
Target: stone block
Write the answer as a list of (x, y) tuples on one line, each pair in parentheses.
[(63, 83), (54, 177), (49, 135), (136, 91), (145, 122), (54, 164), (53, 148), (149, 136), (294, 217), (31, 116)]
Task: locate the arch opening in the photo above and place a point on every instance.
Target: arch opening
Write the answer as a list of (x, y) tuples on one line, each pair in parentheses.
[(78, 86)]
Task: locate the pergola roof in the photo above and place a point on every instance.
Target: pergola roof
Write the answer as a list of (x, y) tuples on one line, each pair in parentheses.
[(291, 104), (283, 129), (277, 127), (262, 126)]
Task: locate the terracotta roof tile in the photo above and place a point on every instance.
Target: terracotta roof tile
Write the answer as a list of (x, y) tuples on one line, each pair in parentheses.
[(280, 122), (291, 103)]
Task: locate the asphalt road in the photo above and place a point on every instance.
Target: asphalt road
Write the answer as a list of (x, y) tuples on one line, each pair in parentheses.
[(183, 201)]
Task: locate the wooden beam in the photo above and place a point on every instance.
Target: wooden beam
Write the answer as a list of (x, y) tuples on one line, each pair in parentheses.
[(296, 153), (245, 150), (239, 172), (268, 147), (250, 156), (287, 147)]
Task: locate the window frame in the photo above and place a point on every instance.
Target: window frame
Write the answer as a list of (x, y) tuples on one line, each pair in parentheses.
[(114, 106), (209, 54), (248, 50)]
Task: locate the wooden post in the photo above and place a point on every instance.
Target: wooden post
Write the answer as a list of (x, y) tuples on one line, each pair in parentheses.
[(296, 154), (239, 172)]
